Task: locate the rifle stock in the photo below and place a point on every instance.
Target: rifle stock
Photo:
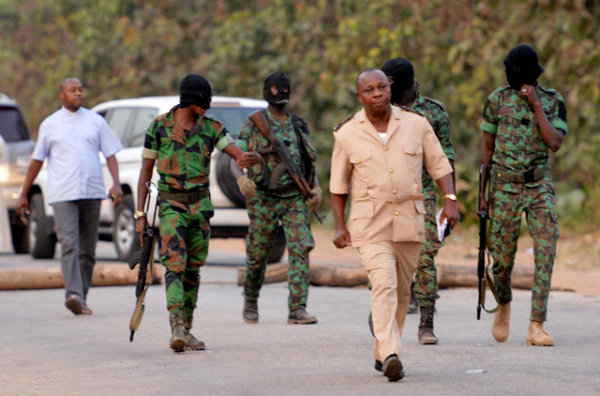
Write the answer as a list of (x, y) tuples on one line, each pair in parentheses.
[(144, 257)]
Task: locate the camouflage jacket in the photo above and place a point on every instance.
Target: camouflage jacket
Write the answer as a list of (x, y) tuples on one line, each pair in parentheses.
[(518, 142), (298, 142), (439, 119), (183, 156)]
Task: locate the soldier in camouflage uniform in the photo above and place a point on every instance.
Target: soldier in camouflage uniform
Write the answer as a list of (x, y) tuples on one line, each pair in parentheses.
[(274, 198), (522, 123), (405, 93), (181, 143)]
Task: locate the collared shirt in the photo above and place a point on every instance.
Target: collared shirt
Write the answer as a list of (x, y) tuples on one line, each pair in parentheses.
[(384, 179), (71, 142)]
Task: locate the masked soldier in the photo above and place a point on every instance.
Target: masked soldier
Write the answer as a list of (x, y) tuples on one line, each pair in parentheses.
[(405, 92), (274, 197), (522, 123), (181, 143)]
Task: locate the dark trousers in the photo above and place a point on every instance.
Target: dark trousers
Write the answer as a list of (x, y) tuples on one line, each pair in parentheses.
[(77, 231)]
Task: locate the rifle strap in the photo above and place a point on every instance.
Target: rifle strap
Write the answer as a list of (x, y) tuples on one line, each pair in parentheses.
[(490, 283), (259, 119)]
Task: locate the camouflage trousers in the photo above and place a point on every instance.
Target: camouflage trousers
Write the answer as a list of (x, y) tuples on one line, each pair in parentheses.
[(426, 286), (184, 235), (508, 202), (266, 212)]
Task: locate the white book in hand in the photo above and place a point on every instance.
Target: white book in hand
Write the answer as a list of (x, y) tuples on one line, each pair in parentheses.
[(443, 229)]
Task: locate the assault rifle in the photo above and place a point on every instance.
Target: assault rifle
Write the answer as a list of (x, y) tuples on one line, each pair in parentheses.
[(482, 273), (144, 259), (258, 118)]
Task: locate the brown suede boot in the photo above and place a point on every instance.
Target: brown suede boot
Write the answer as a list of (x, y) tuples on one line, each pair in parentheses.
[(537, 335), (301, 316), (177, 342), (426, 336), (191, 342), (501, 322)]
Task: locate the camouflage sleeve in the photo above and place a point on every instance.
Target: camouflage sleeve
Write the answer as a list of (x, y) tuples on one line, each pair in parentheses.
[(558, 115), (490, 119), (243, 139), (151, 142), (220, 135), (444, 135)]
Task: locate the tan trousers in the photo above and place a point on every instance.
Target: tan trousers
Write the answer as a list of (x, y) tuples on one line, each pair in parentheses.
[(390, 267)]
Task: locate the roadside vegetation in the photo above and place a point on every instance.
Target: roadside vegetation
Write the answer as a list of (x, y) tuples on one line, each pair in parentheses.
[(132, 48)]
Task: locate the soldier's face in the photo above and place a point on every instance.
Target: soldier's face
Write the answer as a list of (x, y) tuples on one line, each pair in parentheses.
[(71, 95), (373, 90), (199, 111)]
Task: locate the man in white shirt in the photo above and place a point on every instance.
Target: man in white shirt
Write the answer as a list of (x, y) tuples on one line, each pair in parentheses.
[(70, 139)]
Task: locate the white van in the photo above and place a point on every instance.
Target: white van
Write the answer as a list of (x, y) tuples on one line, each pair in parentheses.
[(129, 119)]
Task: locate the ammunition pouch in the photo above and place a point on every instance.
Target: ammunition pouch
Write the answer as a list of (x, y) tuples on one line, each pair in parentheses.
[(184, 196), (529, 176)]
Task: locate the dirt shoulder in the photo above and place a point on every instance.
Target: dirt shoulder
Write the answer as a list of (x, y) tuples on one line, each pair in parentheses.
[(577, 265)]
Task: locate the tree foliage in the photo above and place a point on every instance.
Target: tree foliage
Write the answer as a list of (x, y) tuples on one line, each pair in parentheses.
[(133, 48)]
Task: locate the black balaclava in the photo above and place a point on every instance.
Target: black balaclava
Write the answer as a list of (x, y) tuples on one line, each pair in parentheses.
[(401, 74), (521, 66), (281, 81), (195, 89)]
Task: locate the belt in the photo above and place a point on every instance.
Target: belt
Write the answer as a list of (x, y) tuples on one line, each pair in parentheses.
[(183, 196), (529, 176), (387, 196), (284, 191)]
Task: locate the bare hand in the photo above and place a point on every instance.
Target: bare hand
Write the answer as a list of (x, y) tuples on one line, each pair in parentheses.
[(528, 93), (23, 207), (116, 193), (483, 206), (140, 226), (341, 239), (248, 159), (450, 212)]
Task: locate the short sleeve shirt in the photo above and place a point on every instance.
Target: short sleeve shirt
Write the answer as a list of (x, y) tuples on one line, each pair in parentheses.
[(518, 142), (183, 156), (439, 119), (71, 142)]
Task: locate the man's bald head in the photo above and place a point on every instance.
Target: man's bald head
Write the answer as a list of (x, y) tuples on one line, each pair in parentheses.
[(70, 92), (67, 82), (368, 72), (374, 93)]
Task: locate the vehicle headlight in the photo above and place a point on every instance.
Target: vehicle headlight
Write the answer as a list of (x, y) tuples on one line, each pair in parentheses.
[(4, 173)]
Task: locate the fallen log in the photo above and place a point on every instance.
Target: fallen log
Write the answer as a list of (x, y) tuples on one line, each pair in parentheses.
[(49, 278), (345, 276)]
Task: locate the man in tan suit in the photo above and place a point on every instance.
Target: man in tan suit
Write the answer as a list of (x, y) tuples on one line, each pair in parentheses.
[(378, 157)]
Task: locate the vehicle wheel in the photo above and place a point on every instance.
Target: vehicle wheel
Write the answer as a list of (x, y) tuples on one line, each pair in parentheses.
[(278, 247), (124, 228), (41, 236), (227, 181)]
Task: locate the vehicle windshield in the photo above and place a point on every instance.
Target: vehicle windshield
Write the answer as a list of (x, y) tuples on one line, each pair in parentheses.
[(232, 117), (12, 125)]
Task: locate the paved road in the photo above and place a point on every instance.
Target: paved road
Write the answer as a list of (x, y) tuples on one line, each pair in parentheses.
[(48, 351)]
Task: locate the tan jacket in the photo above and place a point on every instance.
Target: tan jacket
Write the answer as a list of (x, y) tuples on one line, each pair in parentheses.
[(384, 179)]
